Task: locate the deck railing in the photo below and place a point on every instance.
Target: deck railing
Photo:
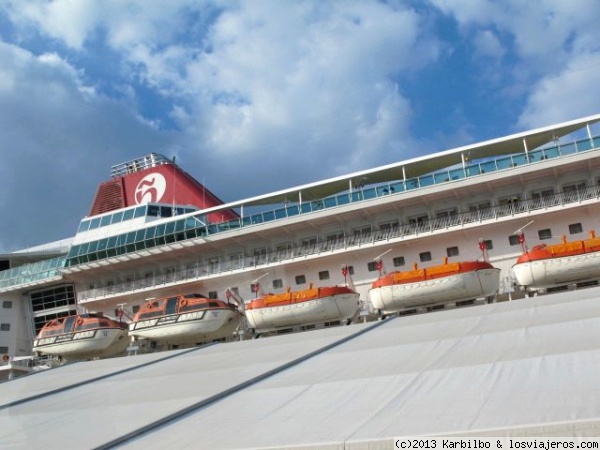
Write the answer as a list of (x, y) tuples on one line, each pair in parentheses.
[(194, 226), (204, 269)]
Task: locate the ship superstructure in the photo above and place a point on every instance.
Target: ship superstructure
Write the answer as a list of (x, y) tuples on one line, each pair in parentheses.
[(153, 231)]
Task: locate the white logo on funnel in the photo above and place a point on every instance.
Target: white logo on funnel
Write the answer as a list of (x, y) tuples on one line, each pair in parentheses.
[(151, 188)]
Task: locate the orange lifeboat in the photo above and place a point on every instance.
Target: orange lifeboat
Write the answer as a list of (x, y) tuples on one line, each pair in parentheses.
[(189, 318), (82, 336), (444, 283), (551, 265), (310, 306)]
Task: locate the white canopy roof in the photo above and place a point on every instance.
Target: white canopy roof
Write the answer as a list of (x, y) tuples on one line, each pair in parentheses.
[(526, 367)]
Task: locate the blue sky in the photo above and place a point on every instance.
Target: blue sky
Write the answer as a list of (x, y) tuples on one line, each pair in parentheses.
[(256, 96)]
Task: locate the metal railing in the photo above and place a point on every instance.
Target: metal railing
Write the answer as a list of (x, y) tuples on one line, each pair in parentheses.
[(204, 269)]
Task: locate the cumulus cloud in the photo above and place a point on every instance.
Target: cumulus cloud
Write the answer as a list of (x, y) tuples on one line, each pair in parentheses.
[(487, 44), (262, 95), (59, 139), (554, 48), (568, 94)]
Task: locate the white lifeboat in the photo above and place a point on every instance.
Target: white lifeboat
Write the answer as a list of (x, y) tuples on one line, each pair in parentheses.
[(190, 318), (444, 283), (547, 266), (82, 336), (311, 306)]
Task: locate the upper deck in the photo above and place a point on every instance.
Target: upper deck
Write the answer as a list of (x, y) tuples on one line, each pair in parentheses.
[(388, 182)]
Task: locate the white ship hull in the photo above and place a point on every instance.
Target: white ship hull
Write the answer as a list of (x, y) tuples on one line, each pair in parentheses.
[(321, 310), (455, 288), (89, 343), (196, 326), (551, 272)]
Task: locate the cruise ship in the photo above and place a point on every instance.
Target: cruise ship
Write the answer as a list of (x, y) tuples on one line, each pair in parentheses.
[(153, 231)]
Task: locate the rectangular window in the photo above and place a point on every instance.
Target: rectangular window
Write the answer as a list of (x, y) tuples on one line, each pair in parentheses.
[(213, 295), (324, 275), (452, 251), (7, 304), (575, 187), (372, 266), (425, 256), (4, 326), (336, 237), (277, 284), (480, 206), (445, 213), (389, 225), (511, 200), (309, 242), (364, 231), (543, 193), (513, 239), (399, 261), (545, 234), (418, 220), (575, 228), (236, 260), (350, 270), (3, 350), (489, 245), (300, 279), (284, 246)]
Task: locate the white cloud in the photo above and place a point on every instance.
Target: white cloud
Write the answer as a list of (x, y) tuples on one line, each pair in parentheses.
[(59, 139), (305, 81), (69, 20), (267, 94), (566, 95), (265, 75), (554, 49), (487, 44)]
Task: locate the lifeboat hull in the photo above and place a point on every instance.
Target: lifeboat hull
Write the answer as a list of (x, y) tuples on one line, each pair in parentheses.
[(101, 342), (545, 273), (325, 309), (454, 288), (196, 326)]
